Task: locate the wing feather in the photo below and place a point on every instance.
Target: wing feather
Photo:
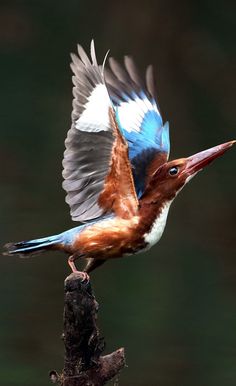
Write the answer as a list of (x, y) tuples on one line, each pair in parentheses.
[(93, 54), (133, 72), (150, 81), (138, 117), (91, 144)]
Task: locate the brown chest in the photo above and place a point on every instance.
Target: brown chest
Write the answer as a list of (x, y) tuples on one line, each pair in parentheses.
[(110, 239)]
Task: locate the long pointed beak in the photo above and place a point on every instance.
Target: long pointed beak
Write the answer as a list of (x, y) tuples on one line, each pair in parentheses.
[(198, 161)]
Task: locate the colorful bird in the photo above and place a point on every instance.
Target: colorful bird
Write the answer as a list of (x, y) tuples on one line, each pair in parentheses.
[(118, 180)]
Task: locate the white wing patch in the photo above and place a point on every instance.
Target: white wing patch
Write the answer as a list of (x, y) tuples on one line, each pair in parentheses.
[(132, 112), (95, 116)]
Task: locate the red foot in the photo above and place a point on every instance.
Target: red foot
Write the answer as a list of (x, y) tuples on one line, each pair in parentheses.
[(84, 275)]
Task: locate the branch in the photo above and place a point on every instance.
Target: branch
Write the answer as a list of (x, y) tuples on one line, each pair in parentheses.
[(83, 363)]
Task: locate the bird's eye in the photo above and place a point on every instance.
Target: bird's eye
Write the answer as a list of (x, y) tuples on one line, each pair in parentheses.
[(173, 171)]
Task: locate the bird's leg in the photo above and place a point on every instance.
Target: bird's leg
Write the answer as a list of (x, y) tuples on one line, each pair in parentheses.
[(92, 264), (71, 262)]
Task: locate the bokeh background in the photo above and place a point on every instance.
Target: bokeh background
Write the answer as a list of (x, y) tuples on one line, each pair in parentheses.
[(174, 308)]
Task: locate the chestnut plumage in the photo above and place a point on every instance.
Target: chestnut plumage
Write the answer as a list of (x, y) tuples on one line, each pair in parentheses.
[(119, 183)]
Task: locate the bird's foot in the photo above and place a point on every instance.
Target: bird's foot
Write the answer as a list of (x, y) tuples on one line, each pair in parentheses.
[(84, 276)]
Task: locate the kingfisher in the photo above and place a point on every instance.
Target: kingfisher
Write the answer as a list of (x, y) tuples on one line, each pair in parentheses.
[(118, 180)]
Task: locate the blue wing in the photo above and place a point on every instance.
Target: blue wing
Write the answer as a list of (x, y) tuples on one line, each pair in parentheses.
[(139, 118)]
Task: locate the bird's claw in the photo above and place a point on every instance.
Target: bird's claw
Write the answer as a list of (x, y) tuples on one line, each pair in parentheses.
[(84, 276)]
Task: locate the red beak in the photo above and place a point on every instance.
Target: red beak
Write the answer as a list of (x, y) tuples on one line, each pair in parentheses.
[(198, 161)]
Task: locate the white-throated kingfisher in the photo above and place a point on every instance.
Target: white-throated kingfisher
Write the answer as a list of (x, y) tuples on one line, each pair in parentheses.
[(117, 176)]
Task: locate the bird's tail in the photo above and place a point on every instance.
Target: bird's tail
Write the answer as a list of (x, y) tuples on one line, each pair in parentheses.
[(27, 248)]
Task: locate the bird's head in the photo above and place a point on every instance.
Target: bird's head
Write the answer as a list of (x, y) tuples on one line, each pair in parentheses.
[(170, 178)]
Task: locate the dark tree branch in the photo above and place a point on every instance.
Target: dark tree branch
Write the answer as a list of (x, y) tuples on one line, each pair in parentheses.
[(83, 363)]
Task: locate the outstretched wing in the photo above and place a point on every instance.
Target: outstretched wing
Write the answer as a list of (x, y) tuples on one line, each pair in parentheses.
[(139, 119), (97, 173)]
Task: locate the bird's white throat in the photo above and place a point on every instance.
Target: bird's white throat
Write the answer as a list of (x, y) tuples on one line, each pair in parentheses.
[(155, 233)]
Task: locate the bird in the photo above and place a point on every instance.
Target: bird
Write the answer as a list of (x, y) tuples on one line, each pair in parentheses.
[(118, 179)]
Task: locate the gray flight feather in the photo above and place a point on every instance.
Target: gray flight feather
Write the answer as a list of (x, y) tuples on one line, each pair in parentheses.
[(88, 151)]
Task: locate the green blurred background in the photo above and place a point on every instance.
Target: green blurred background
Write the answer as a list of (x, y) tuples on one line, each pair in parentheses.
[(173, 308)]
